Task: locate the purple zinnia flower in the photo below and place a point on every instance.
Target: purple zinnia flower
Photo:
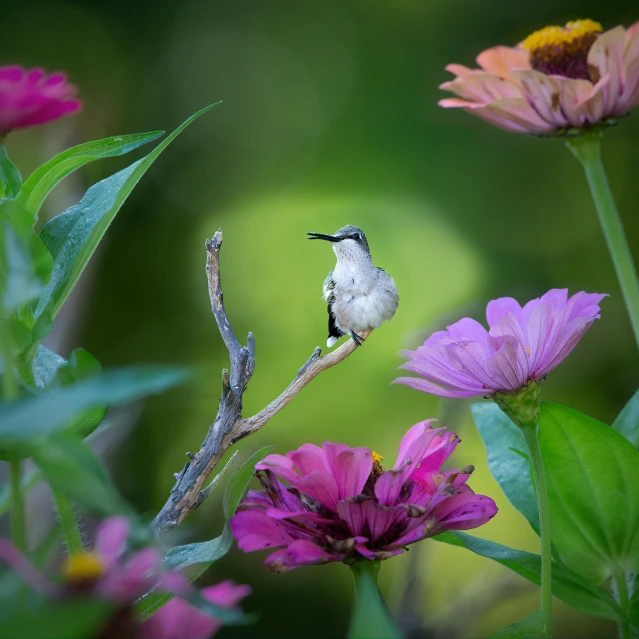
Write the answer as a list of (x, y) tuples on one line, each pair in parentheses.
[(30, 97), (521, 345), (341, 505), (180, 620)]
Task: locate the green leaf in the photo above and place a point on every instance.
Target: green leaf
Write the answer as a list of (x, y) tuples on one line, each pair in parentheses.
[(10, 178), (42, 181), (507, 458), (71, 467), (370, 618), (50, 412), (45, 365), (71, 619), (627, 422), (73, 236), (25, 263), (528, 628), (196, 558), (20, 335), (592, 474), (567, 585)]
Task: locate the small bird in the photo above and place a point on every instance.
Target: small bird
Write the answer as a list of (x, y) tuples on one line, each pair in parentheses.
[(360, 295)]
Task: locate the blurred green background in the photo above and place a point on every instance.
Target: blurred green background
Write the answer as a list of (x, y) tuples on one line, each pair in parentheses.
[(329, 117)]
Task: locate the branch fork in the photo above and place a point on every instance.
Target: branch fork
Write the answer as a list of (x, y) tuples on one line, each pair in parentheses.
[(229, 426)]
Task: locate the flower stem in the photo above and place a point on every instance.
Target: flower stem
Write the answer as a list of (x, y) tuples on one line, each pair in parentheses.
[(523, 408), (621, 591), (68, 523), (370, 618), (532, 439), (587, 149), (18, 528)]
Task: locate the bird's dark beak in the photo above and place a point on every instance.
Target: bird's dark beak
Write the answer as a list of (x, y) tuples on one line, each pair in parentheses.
[(322, 236)]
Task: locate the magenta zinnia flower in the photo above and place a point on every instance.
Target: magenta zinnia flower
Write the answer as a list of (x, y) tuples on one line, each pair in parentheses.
[(556, 79), (341, 505), (180, 620), (30, 97), (522, 345)]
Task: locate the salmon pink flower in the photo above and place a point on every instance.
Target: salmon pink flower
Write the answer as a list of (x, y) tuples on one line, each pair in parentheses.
[(557, 80), (30, 97), (339, 504), (522, 345)]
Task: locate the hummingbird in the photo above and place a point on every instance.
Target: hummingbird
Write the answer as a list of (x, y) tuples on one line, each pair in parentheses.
[(360, 295)]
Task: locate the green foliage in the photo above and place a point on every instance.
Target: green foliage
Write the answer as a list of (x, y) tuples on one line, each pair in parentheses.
[(73, 236), (75, 619), (25, 263), (10, 178), (529, 627), (593, 489), (627, 422), (50, 412), (507, 458), (43, 180), (370, 618), (196, 558), (567, 585), (71, 467)]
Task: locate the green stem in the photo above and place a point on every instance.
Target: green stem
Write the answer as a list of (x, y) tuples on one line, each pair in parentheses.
[(370, 618), (532, 439), (68, 523), (587, 149), (18, 528), (621, 591)]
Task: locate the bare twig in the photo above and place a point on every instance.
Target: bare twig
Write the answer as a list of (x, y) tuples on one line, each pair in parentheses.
[(229, 426)]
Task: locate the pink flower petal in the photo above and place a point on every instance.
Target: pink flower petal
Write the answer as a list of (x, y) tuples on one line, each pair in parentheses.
[(111, 538), (351, 470), (299, 553), (543, 94), (606, 56), (501, 60)]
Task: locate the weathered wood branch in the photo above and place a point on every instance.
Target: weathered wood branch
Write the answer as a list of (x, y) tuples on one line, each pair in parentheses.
[(229, 426)]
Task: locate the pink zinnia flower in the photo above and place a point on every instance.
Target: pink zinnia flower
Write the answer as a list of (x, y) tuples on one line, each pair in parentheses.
[(556, 79), (522, 345), (180, 620), (29, 97), (107, 573), (341, 505)]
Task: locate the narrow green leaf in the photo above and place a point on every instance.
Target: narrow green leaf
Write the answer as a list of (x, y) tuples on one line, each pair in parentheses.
[(567, 585), (25, 263), (10, 178), (627, 422), (71, 467), (49, 412), (196, 558), (73, 236), (592, 474), (506, 446), (528, 628), (370, 618), (42, 181)]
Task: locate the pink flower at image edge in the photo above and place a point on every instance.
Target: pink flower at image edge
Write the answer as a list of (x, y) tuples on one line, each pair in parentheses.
[(30, 97), (556, 79), (521, 345), (341, 505)]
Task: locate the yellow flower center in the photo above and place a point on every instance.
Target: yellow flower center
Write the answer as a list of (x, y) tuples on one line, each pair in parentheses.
[(86, 566), (377, 458), (563, 51)]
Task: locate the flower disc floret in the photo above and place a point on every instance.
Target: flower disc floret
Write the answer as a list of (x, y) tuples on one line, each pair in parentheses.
[(339, 504)]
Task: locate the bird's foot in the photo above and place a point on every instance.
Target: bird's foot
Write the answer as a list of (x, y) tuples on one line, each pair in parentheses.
[(357, 338)]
